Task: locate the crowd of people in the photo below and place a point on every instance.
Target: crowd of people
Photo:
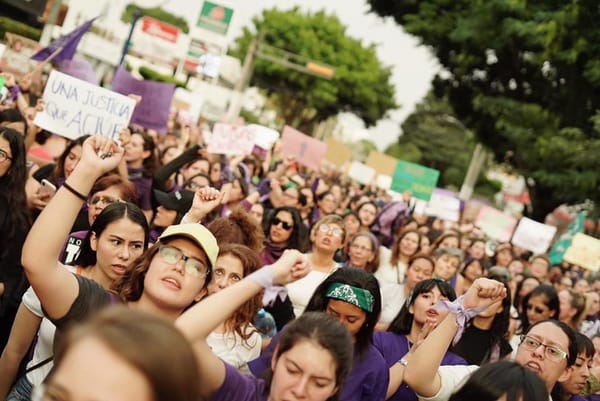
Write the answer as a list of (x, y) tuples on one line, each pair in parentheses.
[(147, 268)]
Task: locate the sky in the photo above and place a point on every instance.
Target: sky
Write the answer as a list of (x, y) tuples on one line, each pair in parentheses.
[(413, 65)]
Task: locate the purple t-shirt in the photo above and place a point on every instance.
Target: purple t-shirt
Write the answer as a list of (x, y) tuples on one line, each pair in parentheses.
[(143, 185), (393, 347), (240, 387), (367, 381)]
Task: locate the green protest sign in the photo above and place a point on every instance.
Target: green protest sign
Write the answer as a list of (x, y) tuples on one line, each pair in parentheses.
[(419, 180), (214, 17)]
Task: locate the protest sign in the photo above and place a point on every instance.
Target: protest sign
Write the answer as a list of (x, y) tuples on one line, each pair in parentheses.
[(361, 173), (74, 108), (264, 137), (337, 153), (533, 236), (444, 205), (383, 181), (307, 151), (153, 110), (584, 251), (2, 49), (495, 224), (227, 139), (566, 238), (417, 179), (382, 163), (79, 68)]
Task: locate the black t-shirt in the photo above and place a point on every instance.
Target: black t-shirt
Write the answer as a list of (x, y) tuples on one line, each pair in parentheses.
[(474, 346)]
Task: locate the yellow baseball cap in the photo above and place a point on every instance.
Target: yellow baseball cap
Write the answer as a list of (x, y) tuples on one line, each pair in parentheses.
[(196, 233)]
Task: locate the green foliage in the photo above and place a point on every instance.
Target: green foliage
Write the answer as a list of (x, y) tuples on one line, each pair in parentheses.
[(11, 25), (360, 84), (525, 78), (151, 75), (157, 13), (407, 151)]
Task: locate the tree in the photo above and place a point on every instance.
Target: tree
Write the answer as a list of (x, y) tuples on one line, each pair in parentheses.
[(360, 83), (434, 137), (157, 13), (525, 78)]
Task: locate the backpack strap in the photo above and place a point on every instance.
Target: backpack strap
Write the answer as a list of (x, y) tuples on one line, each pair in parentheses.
[(39, 364)]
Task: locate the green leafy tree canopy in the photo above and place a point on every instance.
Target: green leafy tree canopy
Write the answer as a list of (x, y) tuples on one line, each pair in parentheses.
[(360, 84), (525, 78)]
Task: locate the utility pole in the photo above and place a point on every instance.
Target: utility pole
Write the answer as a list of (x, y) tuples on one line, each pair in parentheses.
[(46, 37), (235, 105), (475, 166)]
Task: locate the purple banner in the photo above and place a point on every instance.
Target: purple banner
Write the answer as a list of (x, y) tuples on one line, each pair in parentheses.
[(65, 46), (153, 111)]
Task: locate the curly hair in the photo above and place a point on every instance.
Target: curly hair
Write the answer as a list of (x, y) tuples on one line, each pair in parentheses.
[(238, 228)]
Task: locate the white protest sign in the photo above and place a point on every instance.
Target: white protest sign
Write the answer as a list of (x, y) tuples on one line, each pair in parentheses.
[(227, 139), (444, 206), (584, 251), (264, 137), (2, 48), (74, 108), (533, 236), (361, 172)]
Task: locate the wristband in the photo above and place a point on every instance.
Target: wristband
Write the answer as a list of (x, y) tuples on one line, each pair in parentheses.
[(74, 191), (463, 315), (264, 278)]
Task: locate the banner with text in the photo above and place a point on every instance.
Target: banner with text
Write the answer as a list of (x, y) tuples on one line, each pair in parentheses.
[(496, 224), (74, 108), (444, 205), (419, 180), (227, 139), (533, 236), (153, 110), (584, 251), (307, 150)]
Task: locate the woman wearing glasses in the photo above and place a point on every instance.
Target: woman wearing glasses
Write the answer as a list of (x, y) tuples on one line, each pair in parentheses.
[(362, 251), (327, 236), (116, 238), (284, 230), (164, 281), (14, 224)]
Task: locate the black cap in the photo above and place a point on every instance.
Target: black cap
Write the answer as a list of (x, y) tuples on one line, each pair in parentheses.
[(180, 200)]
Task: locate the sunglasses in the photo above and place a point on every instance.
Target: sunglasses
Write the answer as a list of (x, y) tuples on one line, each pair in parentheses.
[(536, 309), (284, 224)]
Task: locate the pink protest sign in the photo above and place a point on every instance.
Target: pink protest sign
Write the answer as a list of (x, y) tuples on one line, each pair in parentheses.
[(495, 223), (227, 139), (308, 151)]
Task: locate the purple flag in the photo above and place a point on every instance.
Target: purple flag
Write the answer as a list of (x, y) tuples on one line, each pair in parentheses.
[(79, 68), (67, 43), (153, 111)]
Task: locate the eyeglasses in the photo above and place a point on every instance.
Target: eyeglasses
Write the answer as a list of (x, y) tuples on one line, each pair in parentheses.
[(363, 248), (551, 352), (4, 156), (284, 224), (536, 309), (106, 200), (335, 231), (193, 185), (193, 266)]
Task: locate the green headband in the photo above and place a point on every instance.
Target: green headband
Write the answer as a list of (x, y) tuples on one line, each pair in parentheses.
[(353, 295)]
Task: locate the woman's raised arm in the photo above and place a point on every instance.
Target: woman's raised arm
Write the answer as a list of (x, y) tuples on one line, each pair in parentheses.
[(55, 286)]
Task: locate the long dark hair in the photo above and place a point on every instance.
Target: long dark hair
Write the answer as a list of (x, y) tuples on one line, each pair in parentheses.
[(552, 302), (299, 237), (356, 278), (501, 320), (403, 321), (112, 213), (13, 185), (59, 170), (493, 380)]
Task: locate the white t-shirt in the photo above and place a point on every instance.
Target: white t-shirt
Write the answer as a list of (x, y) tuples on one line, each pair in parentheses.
[(301, 291), (386, 272), (231, 348), (452, 377), (392, 299)]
